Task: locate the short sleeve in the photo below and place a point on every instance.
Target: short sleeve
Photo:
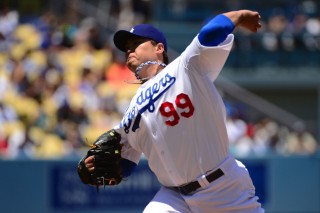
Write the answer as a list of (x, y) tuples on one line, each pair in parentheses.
[(127, 151), (207, 60)]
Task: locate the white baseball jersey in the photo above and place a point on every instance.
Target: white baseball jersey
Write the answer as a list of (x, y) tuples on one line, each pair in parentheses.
[(177, 118)]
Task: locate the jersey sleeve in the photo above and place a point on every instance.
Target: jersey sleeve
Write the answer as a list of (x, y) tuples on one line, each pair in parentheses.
[(216, 30), (127, 151), (207, 60)]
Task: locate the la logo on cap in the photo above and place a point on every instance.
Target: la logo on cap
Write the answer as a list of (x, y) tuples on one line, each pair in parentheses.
[(132, 29)]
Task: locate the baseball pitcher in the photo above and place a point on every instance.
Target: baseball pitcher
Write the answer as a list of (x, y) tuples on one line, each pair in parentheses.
[(177, 119)]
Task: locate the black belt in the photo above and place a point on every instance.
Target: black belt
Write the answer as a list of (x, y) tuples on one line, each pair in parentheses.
[(192, 186)]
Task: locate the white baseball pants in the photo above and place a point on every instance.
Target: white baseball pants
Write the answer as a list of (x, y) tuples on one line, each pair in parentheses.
[(233, 193)]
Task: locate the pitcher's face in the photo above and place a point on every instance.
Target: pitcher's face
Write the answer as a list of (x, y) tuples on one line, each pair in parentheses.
[(139, 51)]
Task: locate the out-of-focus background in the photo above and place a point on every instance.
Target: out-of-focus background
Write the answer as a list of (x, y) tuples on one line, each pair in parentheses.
[(63, 83)]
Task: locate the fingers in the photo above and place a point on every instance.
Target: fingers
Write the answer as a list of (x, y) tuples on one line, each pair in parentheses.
[(259, 19), (252, 21), (89, 159), (256, 26), (89, 162)]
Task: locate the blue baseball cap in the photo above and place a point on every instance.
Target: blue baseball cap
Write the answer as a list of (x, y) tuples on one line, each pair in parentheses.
[(147, 31)]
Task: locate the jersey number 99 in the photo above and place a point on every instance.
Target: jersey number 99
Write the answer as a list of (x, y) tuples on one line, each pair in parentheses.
[(168, 110)]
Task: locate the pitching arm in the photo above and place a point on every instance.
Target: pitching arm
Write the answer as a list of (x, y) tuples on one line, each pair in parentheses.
[(217, 30)]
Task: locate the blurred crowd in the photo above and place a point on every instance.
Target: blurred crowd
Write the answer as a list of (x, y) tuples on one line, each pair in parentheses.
[(266, 136), (62, 85), (287, 27)]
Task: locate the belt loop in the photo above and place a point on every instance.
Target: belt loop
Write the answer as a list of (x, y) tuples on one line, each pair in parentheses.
[(202, 180)]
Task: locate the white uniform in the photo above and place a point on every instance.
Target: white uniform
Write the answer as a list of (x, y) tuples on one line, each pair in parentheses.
[(177, 120)]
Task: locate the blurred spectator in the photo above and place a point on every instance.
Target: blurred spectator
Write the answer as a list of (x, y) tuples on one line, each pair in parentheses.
[(276, 35), (132, 12), (312, 35), (117, 74), (45, 25), (9, 19), (301, 141)]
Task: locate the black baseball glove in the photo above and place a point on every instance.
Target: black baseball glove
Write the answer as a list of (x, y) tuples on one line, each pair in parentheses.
[(107, 156)]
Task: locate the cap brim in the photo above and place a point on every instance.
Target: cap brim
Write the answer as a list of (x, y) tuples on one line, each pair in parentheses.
[(121, 38)]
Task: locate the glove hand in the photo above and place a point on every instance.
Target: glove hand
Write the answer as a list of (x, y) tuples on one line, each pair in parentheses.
[(101, 165)]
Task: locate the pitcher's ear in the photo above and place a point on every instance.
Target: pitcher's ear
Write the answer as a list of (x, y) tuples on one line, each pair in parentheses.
[(160, 47)]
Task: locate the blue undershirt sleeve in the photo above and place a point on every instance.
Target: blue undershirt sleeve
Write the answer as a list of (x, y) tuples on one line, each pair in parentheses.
[(216, 31), (127, 167)]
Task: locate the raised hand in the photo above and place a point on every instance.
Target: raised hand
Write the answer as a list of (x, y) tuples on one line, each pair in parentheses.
[(245, 18)]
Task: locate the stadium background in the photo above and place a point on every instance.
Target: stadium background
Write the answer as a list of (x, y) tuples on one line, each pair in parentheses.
[(62, 85)]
